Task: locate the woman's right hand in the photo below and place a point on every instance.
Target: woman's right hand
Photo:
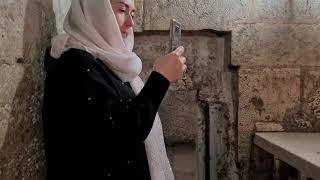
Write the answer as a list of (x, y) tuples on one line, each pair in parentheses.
[(171, 66)]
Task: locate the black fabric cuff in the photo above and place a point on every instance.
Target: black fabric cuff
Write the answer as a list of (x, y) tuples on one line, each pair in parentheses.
[(162, 80), (156, 86)]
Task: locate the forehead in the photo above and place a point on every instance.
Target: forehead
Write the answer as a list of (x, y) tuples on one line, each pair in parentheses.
[(130, 3)]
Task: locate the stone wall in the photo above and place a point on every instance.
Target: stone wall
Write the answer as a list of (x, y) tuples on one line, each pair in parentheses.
[(25, 28), (268, 79), (276, 46)]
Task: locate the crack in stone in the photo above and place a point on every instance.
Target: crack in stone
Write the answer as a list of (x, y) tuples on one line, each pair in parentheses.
[(4, 62)]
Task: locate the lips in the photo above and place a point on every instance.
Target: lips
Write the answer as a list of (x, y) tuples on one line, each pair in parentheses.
[(124, 34)]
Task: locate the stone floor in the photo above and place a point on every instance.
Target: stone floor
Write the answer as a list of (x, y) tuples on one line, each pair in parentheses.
[(183, 161)]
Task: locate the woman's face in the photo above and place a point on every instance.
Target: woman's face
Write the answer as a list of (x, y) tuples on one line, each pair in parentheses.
[(124, 11)]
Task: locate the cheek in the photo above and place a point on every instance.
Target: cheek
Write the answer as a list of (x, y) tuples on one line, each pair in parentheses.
[(120, 20)]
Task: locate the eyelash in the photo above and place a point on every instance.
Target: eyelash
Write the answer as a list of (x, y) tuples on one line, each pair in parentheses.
[(123, 11)]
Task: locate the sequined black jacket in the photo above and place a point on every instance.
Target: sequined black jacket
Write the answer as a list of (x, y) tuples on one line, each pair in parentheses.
[(94, 125)]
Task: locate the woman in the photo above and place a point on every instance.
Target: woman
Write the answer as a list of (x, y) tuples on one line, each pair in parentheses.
[(100, 120)]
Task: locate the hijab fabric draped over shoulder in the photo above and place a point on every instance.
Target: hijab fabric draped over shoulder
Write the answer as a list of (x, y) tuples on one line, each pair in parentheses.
[(91, 25)]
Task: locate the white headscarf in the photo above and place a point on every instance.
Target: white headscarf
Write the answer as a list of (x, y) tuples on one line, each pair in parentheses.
[(91, 25)]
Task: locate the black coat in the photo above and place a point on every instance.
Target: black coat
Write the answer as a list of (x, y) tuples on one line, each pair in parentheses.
[(94, 125)]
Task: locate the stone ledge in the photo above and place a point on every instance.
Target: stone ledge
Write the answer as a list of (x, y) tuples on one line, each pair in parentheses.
[(300, 150)]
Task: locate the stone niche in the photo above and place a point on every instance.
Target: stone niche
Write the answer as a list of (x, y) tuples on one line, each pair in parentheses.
[(185, 110)]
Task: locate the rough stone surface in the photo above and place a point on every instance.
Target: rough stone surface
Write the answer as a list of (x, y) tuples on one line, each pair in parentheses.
[(24, 28), (195, 15), (205, 60), (139, 15), (221, 138), (265, 94), (268, 127), (276, 45), (305, 117), (310, 82), (223, 15), (179, 113), (11, 29), (311, 94), (288, 11)]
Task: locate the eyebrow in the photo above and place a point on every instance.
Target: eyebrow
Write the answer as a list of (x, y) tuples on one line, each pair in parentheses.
[(127, 6)]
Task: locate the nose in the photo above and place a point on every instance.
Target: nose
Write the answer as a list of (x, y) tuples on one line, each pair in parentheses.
[(130, 21)]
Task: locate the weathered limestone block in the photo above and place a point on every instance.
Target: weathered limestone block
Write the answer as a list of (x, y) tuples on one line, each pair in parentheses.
[(265, 95), (195, 15), (25, 27), (180, 114), (314, 107), (8, 74), (223, 15), (310, 82), (279, 44), (300, 119), (11, 48), (288, 11), (139, 15), (268, 127), (310, 9), (311, 91), (11, 29), (306, 116)]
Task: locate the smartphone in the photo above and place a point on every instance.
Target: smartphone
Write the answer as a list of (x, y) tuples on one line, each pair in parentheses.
[(175, 34)]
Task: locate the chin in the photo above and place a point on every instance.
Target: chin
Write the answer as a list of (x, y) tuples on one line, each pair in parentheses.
[(124, 36)]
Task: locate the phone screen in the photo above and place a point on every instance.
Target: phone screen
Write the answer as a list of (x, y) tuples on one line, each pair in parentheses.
[(175, 34)]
